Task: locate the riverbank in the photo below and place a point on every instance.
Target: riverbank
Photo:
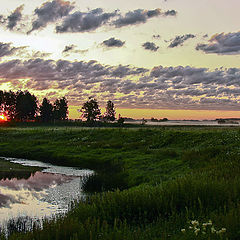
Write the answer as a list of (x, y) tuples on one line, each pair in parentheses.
[(166, 176), (14, 170)]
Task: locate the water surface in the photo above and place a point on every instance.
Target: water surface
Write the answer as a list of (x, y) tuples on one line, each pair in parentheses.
[(44, 194)]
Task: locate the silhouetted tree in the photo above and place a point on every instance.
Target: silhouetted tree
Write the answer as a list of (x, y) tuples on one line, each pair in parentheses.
[(60, 109), (120, 120), (110, 111), (46, 111), (90, 110), (8, 104), (26, 106)]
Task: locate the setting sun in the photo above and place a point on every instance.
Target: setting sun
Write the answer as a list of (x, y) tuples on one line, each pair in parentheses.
[(3, 118)]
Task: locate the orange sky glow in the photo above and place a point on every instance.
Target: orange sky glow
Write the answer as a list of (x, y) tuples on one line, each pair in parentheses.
[(163, 113)]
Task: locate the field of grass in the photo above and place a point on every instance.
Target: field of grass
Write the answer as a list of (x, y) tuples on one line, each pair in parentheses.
[(156, 183)]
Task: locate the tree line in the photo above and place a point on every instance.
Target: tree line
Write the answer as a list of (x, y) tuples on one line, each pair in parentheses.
[(23, 106), (91, 111)]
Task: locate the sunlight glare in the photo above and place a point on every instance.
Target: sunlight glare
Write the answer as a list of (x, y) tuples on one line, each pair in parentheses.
[(3, 118)]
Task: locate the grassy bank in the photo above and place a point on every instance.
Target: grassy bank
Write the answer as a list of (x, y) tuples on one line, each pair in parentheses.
[(13, 170), (167, 177)]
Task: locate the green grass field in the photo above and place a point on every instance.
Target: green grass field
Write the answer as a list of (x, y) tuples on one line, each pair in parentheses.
[(154, 183)]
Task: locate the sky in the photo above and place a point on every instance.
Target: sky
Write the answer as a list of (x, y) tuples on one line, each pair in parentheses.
[(178, 59)]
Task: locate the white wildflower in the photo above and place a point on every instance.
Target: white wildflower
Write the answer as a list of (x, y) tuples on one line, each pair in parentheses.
[(194, 222), (213, 230), (223, 230), (209, 222), (197, 231)]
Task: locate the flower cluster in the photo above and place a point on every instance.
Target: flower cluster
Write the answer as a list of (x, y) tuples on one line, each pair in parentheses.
[(203, 228)]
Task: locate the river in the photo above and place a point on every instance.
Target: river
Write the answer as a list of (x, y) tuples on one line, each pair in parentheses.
[(45, 193)]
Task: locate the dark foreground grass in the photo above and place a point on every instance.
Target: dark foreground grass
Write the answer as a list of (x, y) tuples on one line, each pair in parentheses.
[(168, 178)]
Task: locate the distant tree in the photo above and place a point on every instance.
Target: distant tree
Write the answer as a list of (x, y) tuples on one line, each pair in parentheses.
[(46, 111), (143, 121), (60, 109), (110, 111), (90, 110), (163, 120), (154, 119), (120, 120), (8, 104), (26, 106)]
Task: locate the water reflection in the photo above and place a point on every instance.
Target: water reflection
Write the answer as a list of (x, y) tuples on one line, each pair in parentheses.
[(43, 194), (37, 181), (12, 174)]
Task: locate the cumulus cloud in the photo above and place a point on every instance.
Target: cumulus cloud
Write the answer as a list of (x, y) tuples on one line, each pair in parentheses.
[(50, 12), (135, 17), (150, 46), (222, 43), (6, 49), (159, 87), (140, 16), (85, 21), (179, 40), (14, 17), (93, 19), (13, 22), (55, 11), (113, 42)]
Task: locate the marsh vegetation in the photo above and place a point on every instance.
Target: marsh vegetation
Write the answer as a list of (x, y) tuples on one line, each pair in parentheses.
[(150, 183)]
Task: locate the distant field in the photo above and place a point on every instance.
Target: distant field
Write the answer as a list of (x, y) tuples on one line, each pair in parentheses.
[(166, 177)]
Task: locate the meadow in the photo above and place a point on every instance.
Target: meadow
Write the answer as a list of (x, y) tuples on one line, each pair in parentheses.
[(150, 183)]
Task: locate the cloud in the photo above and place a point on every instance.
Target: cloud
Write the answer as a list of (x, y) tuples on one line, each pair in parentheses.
[(50, 12), (160, 87), (150, 46), (24, 52), (85, 21), (136, 17), (156, 36), (140, 16), (179, 40), (13, 21), (7, 200), (72, 49), (90, 21), (222, 44), (6, 49), (68, 48), (38, 182), (14, 17), (113, 42), (170, 13)]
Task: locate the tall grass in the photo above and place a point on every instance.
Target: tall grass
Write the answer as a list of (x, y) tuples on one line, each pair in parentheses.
[(172, 176)]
